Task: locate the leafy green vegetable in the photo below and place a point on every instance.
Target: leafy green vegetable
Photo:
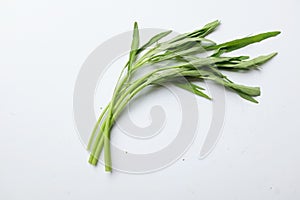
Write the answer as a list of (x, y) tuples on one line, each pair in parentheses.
[(179, 58)]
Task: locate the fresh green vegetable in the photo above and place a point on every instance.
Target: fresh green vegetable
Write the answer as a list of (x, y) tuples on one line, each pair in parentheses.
[(179, 58)]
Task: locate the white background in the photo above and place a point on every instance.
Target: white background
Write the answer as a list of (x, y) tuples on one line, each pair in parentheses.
[(42, 46)]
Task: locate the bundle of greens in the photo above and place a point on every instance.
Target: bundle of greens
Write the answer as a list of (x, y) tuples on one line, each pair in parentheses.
[(179, 61)]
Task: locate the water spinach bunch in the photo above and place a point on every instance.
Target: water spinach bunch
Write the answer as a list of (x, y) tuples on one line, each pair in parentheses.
[(179, 61)]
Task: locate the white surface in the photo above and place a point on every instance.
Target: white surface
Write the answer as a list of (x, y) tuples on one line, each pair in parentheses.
[(42, 46)]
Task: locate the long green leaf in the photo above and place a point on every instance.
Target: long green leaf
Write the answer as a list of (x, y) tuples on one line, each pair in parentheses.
[(251, 91), (239, 43), (247, 97), (153, 40), (248, 90), (201, 33), (248, 64), (194, 89), (207, 29), (134, 46)]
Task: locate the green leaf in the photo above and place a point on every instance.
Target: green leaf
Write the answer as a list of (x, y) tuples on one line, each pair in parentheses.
[(251, 91), (179, 43), (203, 62), (201, 33), (207, 29), (194, 89), (153, 40), (247, 64), (248, 90), (254, 63), (247, 97), (175, 54), (239, 58), (239, 43), (134, 46)]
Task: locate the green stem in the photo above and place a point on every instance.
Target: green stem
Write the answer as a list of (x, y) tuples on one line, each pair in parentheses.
[(137, 86), (103, 139), (97, 147), (107, 153), (96, 128)]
